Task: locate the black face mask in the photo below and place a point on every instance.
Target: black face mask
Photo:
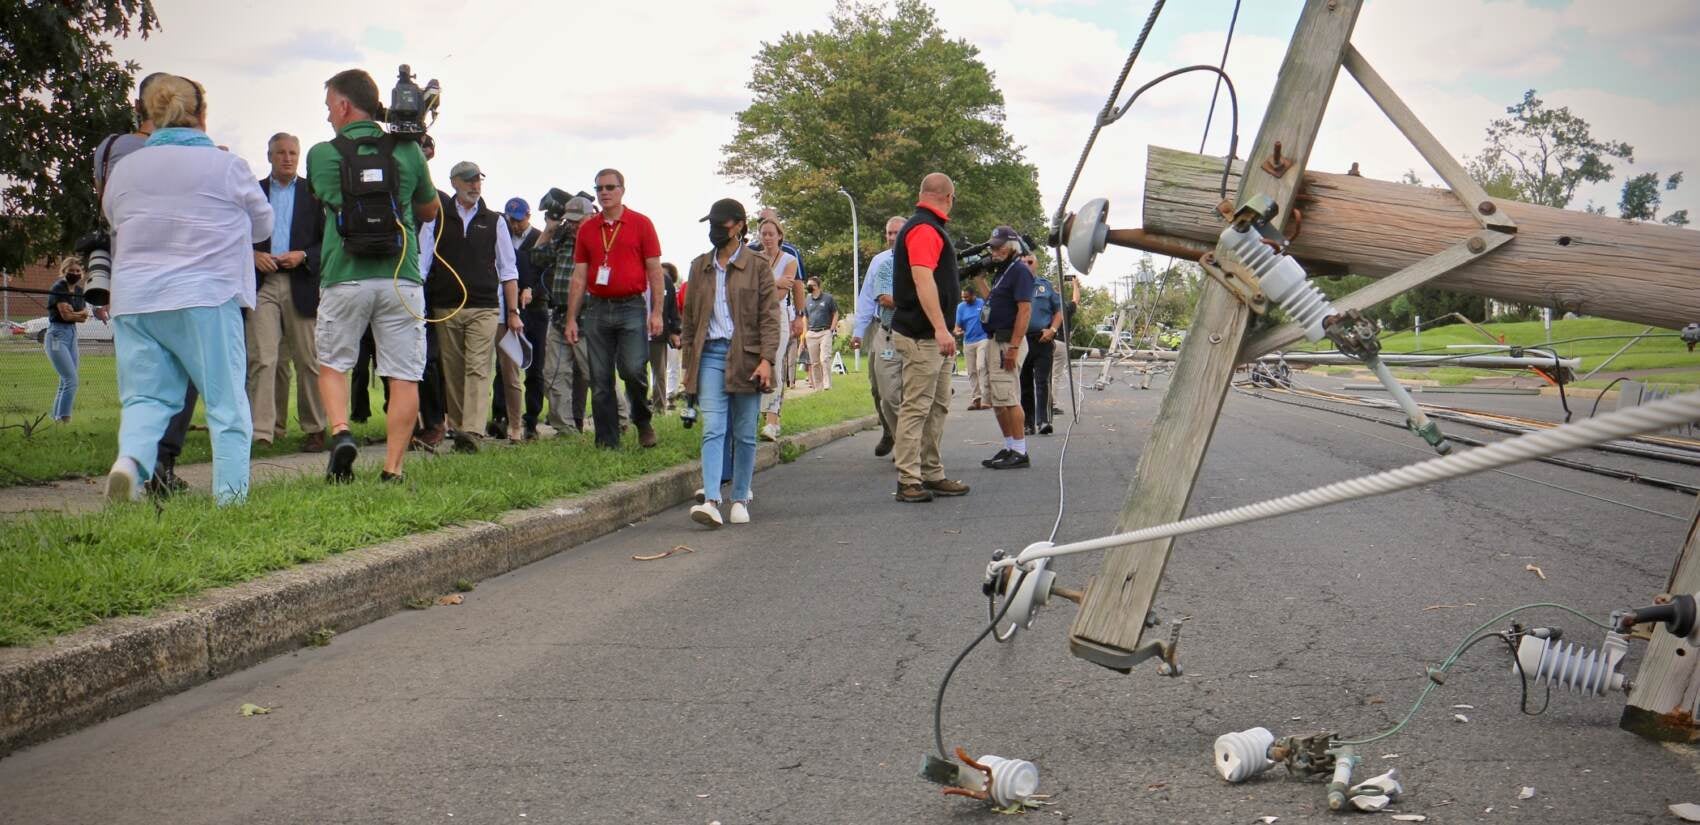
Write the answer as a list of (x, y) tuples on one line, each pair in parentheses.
[(720, 236)]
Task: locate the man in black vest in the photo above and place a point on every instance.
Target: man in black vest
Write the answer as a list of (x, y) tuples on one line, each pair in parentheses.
[(925, 289), (474, 243)]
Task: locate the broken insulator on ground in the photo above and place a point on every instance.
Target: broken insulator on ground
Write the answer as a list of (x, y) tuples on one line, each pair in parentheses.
[(996, 780), (1244, 754), (1574, 667)]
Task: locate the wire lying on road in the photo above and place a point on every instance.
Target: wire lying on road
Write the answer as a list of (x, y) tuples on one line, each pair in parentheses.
[(1649, 418)]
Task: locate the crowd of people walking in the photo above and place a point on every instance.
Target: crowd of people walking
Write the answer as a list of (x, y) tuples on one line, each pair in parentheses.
[(482, 326)]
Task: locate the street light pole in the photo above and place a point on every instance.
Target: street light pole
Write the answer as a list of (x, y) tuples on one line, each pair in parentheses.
[(855, 266)]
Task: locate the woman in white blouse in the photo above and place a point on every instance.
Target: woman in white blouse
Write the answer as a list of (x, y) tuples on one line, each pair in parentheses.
[(184, 215)]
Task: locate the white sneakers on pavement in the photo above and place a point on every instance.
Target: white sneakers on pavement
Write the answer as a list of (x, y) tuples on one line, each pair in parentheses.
[(708, 515), (740, 513)]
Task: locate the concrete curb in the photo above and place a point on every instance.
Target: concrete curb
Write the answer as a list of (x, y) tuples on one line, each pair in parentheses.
[(122, 664)]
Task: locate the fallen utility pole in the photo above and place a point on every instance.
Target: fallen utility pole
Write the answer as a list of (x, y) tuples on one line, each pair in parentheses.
[(1589, 264), (1112, 617)]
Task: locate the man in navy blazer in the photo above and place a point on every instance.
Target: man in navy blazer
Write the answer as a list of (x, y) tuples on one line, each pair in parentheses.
[(286, 271)]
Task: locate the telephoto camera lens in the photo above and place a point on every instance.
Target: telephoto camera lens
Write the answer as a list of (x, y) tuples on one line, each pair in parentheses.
[(98, 292)]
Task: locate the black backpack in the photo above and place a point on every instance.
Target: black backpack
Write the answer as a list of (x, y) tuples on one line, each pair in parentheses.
[(369, 221)]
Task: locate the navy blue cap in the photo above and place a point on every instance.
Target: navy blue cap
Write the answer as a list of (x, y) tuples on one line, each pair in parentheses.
[(517, 209)]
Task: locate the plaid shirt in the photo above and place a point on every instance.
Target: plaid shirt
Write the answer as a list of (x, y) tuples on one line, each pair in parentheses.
[(556, 259)]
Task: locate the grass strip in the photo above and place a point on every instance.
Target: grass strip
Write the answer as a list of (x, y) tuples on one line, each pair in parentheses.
[(62, 572)]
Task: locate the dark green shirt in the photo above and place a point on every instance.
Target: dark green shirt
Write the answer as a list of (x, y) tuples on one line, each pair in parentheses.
[(324, 173)]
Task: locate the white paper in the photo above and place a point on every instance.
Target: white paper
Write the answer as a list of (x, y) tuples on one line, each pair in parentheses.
[(603, 273), (514, 347)]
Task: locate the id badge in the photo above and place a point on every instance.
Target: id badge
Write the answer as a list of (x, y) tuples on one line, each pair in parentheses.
[(602, 275)]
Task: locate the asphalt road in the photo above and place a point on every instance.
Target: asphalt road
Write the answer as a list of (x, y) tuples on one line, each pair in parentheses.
[(784, 672)]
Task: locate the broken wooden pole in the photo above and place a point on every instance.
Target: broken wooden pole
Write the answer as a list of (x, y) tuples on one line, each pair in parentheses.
[(1667, 687), (1108, 629), (1571, 261)]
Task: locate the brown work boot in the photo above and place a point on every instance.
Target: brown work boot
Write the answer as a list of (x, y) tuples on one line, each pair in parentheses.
[(313, 443), (913, 494), (946, 487), (646, 435)]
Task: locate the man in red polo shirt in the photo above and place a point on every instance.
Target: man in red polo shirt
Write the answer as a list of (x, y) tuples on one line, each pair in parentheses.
[(616, 259)]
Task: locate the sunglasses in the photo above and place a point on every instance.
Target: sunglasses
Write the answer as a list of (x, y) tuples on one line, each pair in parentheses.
[(607, 187)]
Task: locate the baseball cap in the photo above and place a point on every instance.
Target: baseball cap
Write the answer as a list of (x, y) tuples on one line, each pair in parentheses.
[(464, 170), (723, 210), (577, 209), (1005, 234), (517, 209)]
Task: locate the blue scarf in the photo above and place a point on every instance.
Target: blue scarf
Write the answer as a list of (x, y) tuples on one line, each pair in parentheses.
[(179, 136)]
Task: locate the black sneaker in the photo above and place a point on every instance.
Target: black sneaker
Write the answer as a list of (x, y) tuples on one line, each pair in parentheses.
[(164, 482), (497, 428), (1028, 429), (1045, 428), (531, 432), (1013, 461), (996, 458), (343, 453), (387, 477)]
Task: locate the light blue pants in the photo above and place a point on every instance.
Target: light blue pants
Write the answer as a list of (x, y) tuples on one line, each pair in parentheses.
[(61, 345), (724, 413), (158, 354)]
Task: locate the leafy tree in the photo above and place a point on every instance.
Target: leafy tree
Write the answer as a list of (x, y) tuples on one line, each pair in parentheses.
[(1641, 197), (1542, 154), (60, 93), (872, 105)]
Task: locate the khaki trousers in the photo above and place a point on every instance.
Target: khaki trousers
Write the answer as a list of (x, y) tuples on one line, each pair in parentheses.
[(819, 343), (467, 342), (885, 377), (513, 385), (920, 417), (979, 375), (276, 331)]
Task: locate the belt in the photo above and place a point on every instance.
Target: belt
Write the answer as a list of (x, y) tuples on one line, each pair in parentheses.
[(620, 300)]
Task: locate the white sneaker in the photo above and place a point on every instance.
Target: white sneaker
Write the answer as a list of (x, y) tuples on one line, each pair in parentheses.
[(708, 515), (124, 481), (770, 432), (740, 513)]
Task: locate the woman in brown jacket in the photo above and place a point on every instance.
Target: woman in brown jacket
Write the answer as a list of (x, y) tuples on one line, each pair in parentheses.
[(729, 342)]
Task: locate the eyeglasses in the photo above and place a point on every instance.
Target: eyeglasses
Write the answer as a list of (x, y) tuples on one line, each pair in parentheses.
[(607, 187)]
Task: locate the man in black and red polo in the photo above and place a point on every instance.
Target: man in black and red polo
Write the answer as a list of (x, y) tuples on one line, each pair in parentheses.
[(616, 257), (925, 289)]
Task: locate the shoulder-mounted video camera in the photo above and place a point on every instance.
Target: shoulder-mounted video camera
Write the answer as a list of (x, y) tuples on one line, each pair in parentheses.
[(412, 109), (973, 260)]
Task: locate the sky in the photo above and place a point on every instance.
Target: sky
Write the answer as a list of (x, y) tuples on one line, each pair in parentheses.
[(544, 94)]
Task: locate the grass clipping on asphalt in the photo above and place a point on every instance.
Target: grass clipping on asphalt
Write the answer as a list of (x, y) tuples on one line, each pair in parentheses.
[(62, 572)]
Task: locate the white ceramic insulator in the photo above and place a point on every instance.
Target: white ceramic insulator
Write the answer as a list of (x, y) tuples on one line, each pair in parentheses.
[(1281, 278), (1013, 780), (1243, 754), (1573, 667)]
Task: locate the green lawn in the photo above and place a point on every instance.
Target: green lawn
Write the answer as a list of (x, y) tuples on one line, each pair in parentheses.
[(1666, 352), (62, 572), (88, 444)]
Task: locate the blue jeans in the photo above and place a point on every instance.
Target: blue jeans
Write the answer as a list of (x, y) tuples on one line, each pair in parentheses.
[(60, 342), (726, 417), (159, 354), (616, 340)]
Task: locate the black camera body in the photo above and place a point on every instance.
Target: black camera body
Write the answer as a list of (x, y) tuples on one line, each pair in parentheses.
[(973, 260), (410, 105)]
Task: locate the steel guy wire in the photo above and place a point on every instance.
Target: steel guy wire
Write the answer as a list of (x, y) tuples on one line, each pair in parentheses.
[(1649, 418)]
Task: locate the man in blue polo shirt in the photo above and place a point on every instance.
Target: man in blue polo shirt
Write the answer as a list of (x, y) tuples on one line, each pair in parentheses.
[(974, 345), (1011, 302)]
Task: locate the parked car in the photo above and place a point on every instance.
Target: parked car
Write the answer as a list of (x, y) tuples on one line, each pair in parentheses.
[(91, 330)]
